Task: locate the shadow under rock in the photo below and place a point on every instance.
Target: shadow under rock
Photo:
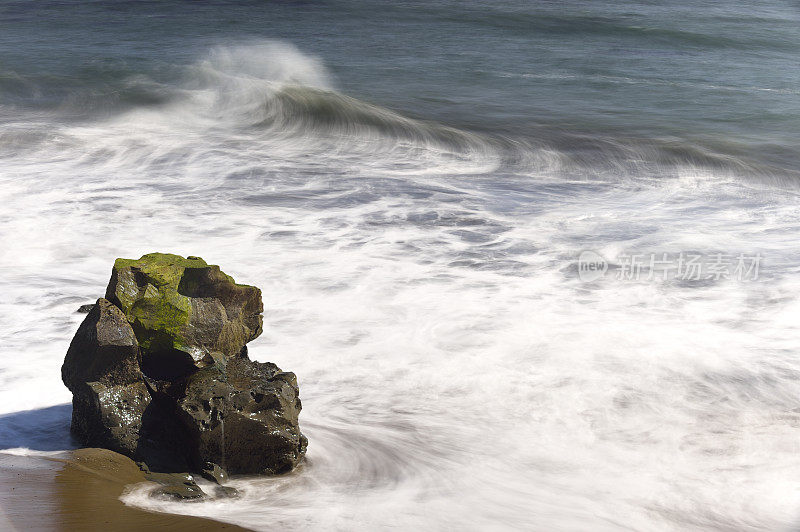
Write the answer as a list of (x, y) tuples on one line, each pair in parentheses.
[(42, 429)]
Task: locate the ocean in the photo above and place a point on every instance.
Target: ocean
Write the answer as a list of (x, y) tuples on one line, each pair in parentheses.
[(534, 263)]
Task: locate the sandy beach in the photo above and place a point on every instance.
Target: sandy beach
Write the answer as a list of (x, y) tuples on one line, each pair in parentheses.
[(76, 491)]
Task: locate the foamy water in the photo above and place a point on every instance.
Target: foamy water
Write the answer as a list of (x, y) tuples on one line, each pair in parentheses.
[(422, 282)]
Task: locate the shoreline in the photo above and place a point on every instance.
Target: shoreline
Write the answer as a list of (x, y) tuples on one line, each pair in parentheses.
[(80, 492)]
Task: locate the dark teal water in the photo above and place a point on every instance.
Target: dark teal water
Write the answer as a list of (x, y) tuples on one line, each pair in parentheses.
[(693, 77)]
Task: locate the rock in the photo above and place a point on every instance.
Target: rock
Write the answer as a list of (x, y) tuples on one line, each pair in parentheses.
[(102, 372), (185, 491), (169, 479), (214, 473), (185, 312), (85, 309), (104, 349), (226, 492), (248, 405), (159, 372)]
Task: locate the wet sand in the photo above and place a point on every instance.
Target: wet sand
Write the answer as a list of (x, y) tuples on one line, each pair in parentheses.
[(80, 491)]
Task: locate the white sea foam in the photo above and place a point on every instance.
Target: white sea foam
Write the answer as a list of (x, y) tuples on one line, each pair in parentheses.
[(454, 371)]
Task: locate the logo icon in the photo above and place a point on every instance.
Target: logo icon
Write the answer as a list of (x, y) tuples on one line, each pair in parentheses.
[(591, 266)]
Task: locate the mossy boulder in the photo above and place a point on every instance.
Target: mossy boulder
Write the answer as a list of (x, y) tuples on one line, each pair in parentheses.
[(184, 311), (159, 372)]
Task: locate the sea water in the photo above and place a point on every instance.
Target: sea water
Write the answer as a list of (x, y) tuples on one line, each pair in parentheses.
[(413, 186)]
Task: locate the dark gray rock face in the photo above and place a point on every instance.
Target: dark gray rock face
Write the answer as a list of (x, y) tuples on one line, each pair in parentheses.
[(187, 490), (247, 405), (102, 372), (160, 373), (214, 473)]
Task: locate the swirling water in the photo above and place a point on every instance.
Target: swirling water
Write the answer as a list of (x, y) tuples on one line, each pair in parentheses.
[(411, 185)]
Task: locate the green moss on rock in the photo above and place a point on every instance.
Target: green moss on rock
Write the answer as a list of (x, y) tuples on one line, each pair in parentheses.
[(184, 304)]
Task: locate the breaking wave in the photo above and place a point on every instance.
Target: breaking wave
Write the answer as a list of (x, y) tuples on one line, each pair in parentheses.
[(273, 93)]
